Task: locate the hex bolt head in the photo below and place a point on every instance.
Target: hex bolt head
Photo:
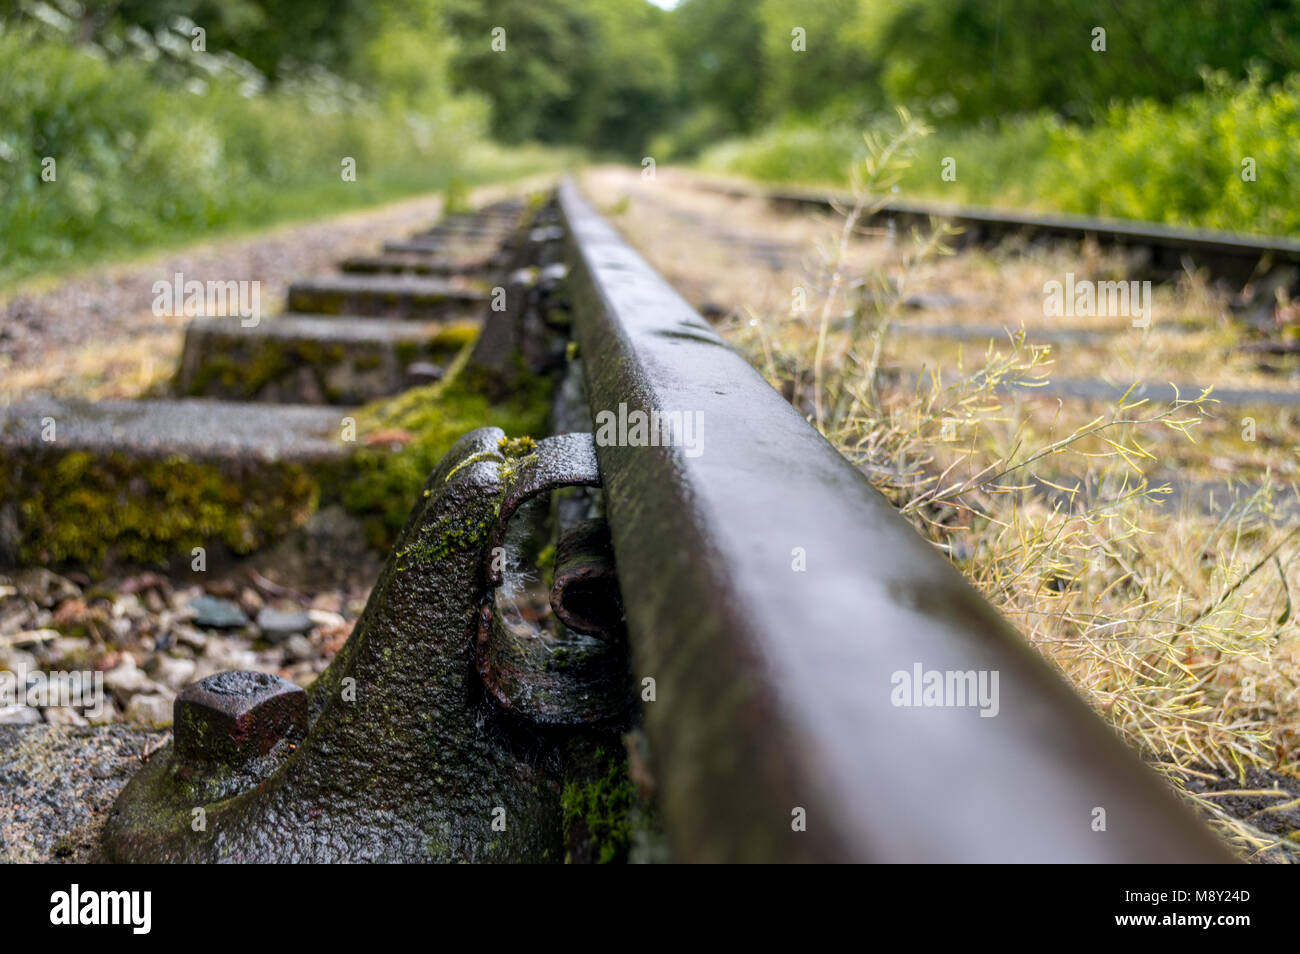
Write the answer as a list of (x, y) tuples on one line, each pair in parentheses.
[(232, 717)]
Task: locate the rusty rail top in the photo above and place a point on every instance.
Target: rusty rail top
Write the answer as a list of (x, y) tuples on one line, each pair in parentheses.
[(784, 694)]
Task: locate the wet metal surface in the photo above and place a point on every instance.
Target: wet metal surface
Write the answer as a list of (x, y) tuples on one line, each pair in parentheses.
[(585, 595), (779, 603), (401, 762)]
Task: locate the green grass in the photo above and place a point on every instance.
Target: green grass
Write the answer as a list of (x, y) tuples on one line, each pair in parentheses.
[(140, 164), (1179, 163)]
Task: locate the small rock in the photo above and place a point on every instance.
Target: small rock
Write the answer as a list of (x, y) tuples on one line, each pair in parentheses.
[(34, 638), (332, 638), (126, 681), (154, 602), (19, 715), (277, 626), (57, 652), (393, 437), (128, 605), (300, 674), (189, 635), (172, 672), (46, 589), (251, 600), (12, 659), (71, 612), (298, 648), (183, 596), (327, 602), (217, 613), (104, 713), (227, 589), (63, 715), (227, 654), (145, 581), (423, 372), (325, 618), (154, 711), (15, 620), (120, 628)]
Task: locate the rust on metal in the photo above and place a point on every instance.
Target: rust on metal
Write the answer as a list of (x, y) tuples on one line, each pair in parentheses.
[(585, 594)]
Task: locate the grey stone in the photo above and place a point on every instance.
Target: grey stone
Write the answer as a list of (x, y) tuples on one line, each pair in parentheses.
[(423, 372), (64, 647), (172, 672), (19, 715), (204, 430), (216, 613), (277, 625), (152, 711), (292, 453), (127, 681), (42, 587), (299, 648), (64, 715), (189, 635), (419, 263), (13, 659), (57, 784)]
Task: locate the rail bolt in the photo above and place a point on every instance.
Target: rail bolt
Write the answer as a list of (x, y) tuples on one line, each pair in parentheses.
[(232, 717)]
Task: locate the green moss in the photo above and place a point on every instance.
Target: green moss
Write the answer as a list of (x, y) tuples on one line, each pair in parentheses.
[(92, 509), (602, 808), (450, 534), (517, 447), (237, 369), (383, 485)]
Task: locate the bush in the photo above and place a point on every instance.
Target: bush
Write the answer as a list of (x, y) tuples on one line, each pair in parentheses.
[(1179, 163), (139, 162)]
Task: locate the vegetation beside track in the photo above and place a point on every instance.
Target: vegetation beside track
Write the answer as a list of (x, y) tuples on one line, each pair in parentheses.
[(105, 155), (1218, 158)]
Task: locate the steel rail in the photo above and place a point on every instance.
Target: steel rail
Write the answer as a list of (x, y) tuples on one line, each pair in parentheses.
[(775, 688), (1234, 255)]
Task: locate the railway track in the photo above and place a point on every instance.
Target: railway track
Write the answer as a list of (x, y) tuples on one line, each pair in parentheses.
[(1162, 250), (799, 675)]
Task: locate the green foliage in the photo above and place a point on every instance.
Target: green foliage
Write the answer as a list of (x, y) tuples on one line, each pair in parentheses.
[(838, 70), (1183, 163), (593, 72), (1179, 163), (985, 58), (139, 162), (277, 37), (157, 140), (814, 155), (719, 44)]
